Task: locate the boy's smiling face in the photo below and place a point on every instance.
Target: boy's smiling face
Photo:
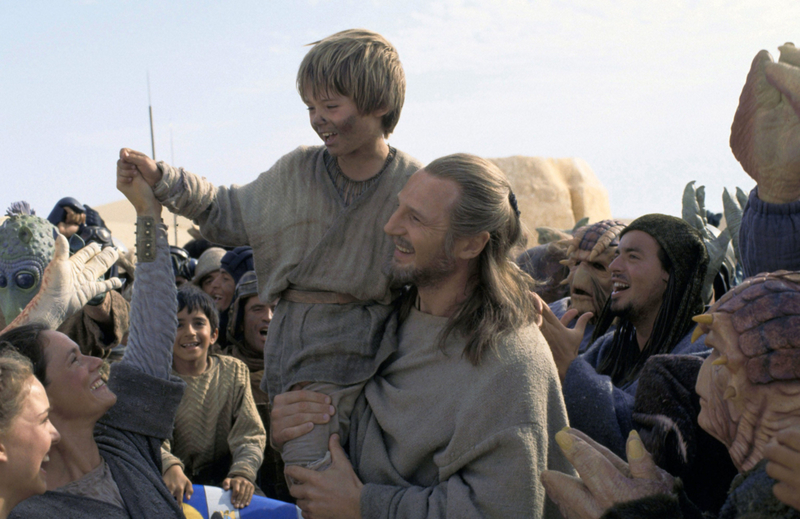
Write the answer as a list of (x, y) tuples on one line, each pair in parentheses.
[(345, 132), (193, 338)]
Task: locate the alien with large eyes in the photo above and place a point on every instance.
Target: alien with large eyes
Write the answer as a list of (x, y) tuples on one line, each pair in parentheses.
[(26, 247)]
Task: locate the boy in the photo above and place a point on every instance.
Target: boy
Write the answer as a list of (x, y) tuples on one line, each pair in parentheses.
[(218, 438), (315, 222)]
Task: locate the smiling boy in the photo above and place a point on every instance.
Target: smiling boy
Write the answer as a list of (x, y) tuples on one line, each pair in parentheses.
[(218, 438), (315, 222)]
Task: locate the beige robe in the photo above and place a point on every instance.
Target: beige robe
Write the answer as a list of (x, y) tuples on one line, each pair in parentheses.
[(304, 236), (435, 436)]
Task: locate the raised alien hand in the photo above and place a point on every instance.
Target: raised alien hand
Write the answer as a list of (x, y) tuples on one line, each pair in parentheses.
[(765, 135), (69, 283), (605, 479)]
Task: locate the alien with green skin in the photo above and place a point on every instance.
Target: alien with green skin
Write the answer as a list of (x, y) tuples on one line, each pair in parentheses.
[(26, 247)]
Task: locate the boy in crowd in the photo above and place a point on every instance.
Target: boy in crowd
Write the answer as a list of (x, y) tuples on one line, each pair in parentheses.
[(315, 222), (218, 438)]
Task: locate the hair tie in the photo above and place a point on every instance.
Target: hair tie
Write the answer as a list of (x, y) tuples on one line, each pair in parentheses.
[(513, 199)]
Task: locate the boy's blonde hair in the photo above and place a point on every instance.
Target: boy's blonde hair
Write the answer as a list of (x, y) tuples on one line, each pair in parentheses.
[(361, 65)]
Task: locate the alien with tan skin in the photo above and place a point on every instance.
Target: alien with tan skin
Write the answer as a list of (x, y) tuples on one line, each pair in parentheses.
[(590, 252)]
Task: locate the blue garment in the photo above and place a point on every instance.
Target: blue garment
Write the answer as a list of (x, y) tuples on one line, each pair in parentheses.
[(597, 407), (769, 238)]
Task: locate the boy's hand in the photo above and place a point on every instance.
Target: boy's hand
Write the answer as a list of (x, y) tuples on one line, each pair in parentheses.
[(241, 490), (132, 184), (132, 162), (177, 483)]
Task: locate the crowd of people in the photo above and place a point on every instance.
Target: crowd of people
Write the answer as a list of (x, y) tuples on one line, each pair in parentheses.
[(353, 335)]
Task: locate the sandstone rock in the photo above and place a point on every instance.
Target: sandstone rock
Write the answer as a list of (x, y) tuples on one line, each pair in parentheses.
[(555, 192)]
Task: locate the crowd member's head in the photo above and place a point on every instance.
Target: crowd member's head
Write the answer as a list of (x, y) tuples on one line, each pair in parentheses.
[(544, 264), (247, 331), (183, 265), (749, 387), (590, 253), (455, 227), (359, 68), (657, 279), (26, 433), (68, 216), (198, 328), (213, 280), (28, 245)]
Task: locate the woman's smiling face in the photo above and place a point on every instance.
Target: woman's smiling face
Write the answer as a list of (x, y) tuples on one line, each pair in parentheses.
[(74, 385), (25, 445)]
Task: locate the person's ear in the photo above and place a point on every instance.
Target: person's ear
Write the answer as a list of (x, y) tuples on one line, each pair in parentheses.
[(380, 112), (471, 247), (3, 453), (214, 335)]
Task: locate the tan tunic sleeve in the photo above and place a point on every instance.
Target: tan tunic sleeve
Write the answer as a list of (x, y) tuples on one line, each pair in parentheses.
[(247, 438), (168, 459)]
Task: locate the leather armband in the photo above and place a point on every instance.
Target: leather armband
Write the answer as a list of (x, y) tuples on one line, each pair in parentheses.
[(145, 239)]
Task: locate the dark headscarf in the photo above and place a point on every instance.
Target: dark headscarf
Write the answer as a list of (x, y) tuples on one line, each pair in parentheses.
[(688, 261)]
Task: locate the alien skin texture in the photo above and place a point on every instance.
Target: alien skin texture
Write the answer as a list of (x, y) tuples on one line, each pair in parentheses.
[(27, 244)]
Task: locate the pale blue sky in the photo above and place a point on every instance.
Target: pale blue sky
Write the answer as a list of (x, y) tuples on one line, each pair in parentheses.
[(643, 91)]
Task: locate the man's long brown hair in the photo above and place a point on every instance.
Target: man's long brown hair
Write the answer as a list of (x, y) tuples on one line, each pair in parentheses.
[(500, 299)]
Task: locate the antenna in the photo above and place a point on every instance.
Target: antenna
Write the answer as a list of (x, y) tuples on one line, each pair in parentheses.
[(150, 108), (172, 161)]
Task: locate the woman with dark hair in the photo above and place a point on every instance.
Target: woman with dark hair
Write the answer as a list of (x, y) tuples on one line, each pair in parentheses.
[(108, 461), (26, 433)]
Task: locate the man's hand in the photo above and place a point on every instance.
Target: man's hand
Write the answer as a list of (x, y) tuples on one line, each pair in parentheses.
[(294, 414), (177, 483), (765, 135), (334, 493), (605, 479), (783, 453), (68, 283), (132, 163), (564, 342), (241, 490)]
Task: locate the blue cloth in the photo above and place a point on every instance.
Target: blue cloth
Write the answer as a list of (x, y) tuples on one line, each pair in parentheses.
[(597, 407), (769, 238)]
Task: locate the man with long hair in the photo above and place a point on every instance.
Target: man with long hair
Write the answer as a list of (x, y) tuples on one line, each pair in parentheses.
[(461, 421), (657, 280)]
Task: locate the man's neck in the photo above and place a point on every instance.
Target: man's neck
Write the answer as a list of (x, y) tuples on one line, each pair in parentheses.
[(364, 163), (191, 368), (445, 297), (644, 327)]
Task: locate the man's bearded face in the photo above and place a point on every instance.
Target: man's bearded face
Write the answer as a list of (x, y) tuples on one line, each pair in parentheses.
[(590, 281), (439, 265)]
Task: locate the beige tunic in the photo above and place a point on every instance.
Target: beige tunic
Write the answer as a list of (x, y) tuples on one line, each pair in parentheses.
[(303, 235), (217, 420), (434, 436)]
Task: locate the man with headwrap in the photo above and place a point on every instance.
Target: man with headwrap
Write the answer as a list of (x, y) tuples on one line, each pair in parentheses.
[(657, 279), (748, 393), (247, 333), (590, 252)]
